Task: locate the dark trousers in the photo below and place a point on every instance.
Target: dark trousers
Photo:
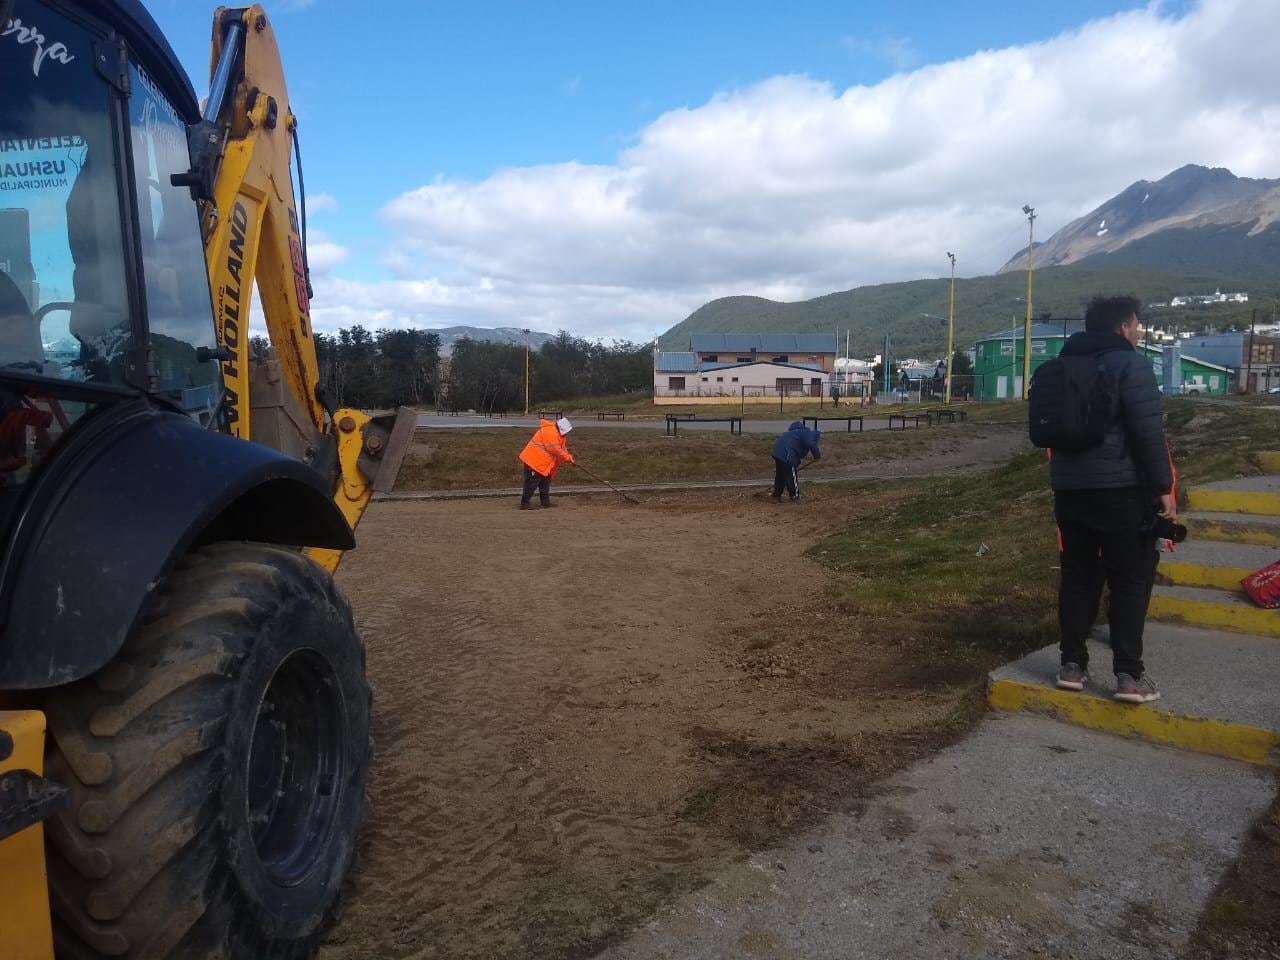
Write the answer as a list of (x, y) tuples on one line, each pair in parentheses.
[(1106, 538), (535, 481), (784, 475)]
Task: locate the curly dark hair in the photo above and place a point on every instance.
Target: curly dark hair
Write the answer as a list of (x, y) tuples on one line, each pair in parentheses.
[(1104, 314)]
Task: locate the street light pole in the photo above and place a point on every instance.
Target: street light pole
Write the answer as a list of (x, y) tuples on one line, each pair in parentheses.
[(951, 323), (1026, 346), (526, 371)]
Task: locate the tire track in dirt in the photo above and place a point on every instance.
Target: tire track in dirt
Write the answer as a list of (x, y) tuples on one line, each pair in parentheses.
[(543, 683)]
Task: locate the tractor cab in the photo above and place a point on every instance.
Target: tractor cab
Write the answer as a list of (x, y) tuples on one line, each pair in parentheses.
[(103, 287)]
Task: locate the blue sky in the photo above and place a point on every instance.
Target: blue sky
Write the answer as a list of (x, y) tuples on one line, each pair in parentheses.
[(480, 96)]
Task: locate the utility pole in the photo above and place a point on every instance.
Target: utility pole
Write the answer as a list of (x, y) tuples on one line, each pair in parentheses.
[(885, 363), (526, 371), (1026, 346), (951, 323), (1248, 369)]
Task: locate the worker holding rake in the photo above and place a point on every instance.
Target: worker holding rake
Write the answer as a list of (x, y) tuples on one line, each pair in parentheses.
[(542, 457), (789, 449)]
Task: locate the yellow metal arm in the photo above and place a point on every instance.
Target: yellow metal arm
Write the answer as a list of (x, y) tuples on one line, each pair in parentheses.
[(251, 234)]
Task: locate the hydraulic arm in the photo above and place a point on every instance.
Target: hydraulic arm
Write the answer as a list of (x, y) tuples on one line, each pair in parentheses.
[(241, 174)]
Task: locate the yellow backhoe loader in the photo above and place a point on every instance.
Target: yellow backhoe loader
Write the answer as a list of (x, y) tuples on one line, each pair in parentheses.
[(184, 714)]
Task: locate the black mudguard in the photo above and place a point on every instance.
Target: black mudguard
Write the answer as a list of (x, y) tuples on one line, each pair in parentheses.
[(129, 494)]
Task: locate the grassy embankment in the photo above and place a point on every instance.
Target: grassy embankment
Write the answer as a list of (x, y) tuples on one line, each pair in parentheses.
[(914, 564), (474, 459)]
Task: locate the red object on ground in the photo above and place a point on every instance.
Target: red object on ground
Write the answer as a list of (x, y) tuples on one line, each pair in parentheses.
[(1263, 586)]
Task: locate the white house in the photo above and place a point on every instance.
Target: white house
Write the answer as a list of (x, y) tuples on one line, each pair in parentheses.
[(679, 376)]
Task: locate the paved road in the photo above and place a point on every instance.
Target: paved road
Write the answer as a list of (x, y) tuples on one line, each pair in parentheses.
[(435, 422)]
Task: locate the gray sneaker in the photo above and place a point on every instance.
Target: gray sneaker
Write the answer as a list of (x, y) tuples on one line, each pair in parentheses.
[(1072, 676), (1141, 690)]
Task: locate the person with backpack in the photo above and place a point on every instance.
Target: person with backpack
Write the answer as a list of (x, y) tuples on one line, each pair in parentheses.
[(1097, 407), (792, 446)]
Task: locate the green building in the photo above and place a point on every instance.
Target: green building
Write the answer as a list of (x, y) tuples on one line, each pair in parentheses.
[(997, 360), (1200, 378), (997, 365)]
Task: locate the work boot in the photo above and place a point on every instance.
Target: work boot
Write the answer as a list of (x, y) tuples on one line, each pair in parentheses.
[(1139, 690), (526, 506), (548, 504)]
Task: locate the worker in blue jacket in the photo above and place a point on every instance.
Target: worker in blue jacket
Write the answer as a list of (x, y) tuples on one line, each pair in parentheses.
[(788, 450)]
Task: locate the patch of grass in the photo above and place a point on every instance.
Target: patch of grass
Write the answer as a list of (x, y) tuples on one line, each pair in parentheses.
[(915, 566), (1243, 918), (1219, 439), (473, 459)]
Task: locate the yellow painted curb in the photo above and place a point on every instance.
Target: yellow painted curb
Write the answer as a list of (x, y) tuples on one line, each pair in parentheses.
[(1234, 532), (1197, 734), (1234, 501), (1198, 575), (1202, 613), (1270, 461)]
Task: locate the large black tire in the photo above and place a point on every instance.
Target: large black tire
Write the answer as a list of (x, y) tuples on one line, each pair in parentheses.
[(217, 768)]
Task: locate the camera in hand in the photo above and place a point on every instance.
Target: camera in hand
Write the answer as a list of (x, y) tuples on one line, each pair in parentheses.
[(1166, 529)]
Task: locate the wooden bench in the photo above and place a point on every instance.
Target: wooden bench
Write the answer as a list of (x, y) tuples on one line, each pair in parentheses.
[(904, 417), (949, 413), (611, 415), (675, 419), (551, 414), (849, 420)]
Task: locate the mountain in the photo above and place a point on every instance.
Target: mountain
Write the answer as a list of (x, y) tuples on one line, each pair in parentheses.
[(451, 335), (1193, 202), (983, 305), (1196, 230)]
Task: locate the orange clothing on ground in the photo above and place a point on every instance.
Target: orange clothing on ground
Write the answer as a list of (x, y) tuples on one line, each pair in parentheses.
[(546, 451)]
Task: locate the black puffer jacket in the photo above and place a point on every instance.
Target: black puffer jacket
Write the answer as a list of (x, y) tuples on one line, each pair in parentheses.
[(1133, 452)]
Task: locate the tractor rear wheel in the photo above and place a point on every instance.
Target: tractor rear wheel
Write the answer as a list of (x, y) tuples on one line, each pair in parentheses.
[(217, 768)]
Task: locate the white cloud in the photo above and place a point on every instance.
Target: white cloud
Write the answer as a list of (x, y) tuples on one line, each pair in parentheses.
[(899, 52), (322, 253), (791, 188), (321, 203)]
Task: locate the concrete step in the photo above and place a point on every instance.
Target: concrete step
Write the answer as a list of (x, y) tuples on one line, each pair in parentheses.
[(1217, 693), (1270, 461), (1214, 609), (1233, 527), (1246, 495), (1028, 838), (1210, 563)]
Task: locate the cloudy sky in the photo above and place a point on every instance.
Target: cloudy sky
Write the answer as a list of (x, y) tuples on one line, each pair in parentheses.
[(608, 172)]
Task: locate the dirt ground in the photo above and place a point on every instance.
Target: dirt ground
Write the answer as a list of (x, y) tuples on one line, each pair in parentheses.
[(580, 713)]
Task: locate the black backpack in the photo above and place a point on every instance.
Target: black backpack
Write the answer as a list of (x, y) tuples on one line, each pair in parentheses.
[(1071, 403)]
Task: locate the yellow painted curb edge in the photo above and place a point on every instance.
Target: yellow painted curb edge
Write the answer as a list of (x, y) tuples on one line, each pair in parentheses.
[(1200, 613), (1235, 501), (1236, 741), (1228, 532), (1199, 575)]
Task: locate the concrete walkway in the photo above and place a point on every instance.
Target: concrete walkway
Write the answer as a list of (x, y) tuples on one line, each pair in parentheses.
[(1067, 825)]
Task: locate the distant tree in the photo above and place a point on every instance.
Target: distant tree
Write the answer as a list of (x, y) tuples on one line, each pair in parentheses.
[(961, 365)]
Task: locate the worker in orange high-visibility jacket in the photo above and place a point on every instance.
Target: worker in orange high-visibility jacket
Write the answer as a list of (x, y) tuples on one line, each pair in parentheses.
[(542, 457)]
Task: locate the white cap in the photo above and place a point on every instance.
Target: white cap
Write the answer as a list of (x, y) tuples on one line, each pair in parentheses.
[(563, 425)]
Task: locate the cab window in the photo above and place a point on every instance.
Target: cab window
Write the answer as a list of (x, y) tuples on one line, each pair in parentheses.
[(179, 313)]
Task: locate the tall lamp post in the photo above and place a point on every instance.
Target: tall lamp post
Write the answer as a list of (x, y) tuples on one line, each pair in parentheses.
[(951, 324), (526, 371), (1026, 345)]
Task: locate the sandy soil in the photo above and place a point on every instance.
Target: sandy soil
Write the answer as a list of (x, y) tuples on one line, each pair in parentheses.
[(579, 713)]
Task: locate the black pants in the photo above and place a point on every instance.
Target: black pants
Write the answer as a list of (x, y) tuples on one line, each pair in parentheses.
[(1106, 538), (784, 475), (535, 481)]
